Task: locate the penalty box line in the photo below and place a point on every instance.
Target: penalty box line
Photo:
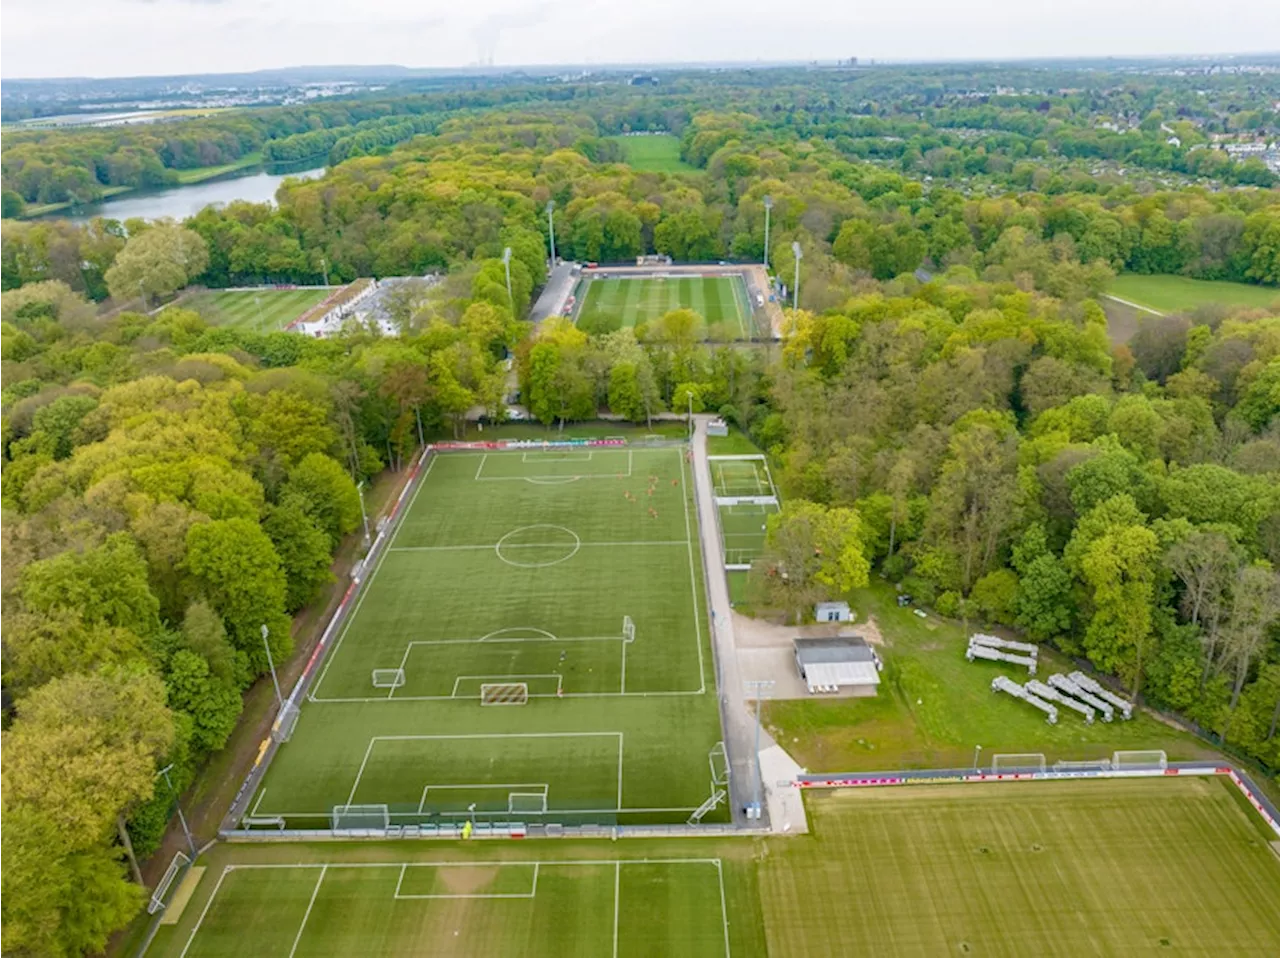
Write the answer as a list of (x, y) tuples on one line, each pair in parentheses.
[(486, 735), (324, 867), (545, 479), (531, 788)]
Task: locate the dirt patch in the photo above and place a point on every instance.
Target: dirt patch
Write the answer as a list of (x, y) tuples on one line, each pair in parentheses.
[(749, 633), (467, 879), (870, 630)]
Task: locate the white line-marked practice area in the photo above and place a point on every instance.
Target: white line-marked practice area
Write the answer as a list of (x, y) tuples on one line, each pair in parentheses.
[(620, 907)]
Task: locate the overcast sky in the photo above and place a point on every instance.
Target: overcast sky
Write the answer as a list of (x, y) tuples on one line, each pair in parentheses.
[(43, 38)]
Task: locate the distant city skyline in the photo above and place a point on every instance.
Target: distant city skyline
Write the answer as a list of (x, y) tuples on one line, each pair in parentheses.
[(121, 38)]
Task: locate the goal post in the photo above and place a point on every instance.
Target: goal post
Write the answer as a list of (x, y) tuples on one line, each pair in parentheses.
[(504, 693), (388, 678), (1008, 762), (628, 629), (157, 902), (360, 818), (1141, 759), (527, 803), (282, 730)]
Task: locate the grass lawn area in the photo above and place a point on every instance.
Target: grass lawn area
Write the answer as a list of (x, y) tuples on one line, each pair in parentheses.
[(654, 152), (1137, 867), (262, 311), (201, 173), (508, 580), (1171, 294), (721, 301), (933, 708)]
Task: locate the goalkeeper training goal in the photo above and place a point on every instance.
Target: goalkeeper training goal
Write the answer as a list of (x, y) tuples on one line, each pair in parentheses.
[(388, 678), (527, 803), (504, 693), (628, 629)]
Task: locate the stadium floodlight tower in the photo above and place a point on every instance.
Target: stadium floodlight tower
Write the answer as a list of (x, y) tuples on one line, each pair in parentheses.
[(266, 644), (506, 263), (551, 229), (795, 289), (191, 842), (768, 205)]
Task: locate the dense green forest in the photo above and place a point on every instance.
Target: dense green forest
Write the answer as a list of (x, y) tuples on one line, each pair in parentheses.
[(169, 487)]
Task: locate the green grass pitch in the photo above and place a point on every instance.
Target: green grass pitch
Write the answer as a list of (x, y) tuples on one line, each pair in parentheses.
[(260, 311), (742, 529), (519, 567), (720, 300), (654, 152), (1171, 294), (1132, 867)]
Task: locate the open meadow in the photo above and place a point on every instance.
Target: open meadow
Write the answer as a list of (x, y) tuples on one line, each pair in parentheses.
[(654, 152), (1174, 294), (262, 311)]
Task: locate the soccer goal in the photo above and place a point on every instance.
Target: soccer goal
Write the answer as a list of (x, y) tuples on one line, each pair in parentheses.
[(282, 731), (527, 803), (1008, 762), (628, 629), (360, 818), (504, 693), (180, 860), (388, 678), (1136, 760)]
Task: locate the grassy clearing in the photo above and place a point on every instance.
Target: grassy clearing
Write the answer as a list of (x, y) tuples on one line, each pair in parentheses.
[(596, 429), (933, 708), (1171, 294), (202, 173), (655, 152), (519, 567), (1148, 866), (719, 300), (262, 311)]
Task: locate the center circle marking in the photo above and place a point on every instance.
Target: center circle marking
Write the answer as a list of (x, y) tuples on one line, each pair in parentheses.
[(572, 544)]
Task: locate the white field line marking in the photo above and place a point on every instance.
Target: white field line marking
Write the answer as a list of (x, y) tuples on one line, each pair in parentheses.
[(531, 893), (355, 700), (537, 545), (413, 816), (507, 680), (404, 660), (617, 891), (546, 456), (307, 914), (254, 810), (422, 802), (205, 910), (484, 735), (622, 685), (480, 466), (574, 862), (724, 908), (367, 585), (693, 578)]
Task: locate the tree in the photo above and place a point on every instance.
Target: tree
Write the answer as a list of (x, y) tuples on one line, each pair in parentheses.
[(811, 552), (213, 703), (239, 572), (42, 647), (303, 547), (323, 489), (204, 634), (156, 262), (1120, 568), (1206, 563), (1255, 607)]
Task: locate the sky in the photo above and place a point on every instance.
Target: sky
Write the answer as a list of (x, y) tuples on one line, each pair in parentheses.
[(51, 38)]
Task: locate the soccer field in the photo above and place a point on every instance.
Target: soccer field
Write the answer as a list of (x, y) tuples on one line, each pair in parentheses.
[(261, 311), (721, 301), (537, 624), (1117, 867)]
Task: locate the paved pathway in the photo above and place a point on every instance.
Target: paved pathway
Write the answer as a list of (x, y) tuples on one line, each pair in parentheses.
[(785, 809), (560, 284)]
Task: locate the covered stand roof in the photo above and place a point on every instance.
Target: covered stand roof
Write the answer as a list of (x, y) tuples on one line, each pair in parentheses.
[(836, 662)]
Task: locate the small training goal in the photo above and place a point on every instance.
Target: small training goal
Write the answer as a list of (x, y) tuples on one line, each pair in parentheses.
[(180, 860), (527, 803), (504, 693), (628, 629), (388, 678), (360, 818)]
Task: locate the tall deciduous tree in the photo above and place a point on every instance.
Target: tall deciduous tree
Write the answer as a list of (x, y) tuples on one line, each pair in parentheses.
[(162, 259)]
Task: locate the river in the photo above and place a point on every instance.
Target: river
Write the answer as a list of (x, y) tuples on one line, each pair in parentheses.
[(179, 202)]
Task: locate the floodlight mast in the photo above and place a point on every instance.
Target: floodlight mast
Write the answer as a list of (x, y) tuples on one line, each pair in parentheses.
[(551, 229), (768, 205), (191, 842), (795, 290), (266, 644)]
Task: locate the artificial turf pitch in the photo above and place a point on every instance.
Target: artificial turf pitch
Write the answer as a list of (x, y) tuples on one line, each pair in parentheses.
[(261, 311), (719, 300), (1117, 867), (519, 567)]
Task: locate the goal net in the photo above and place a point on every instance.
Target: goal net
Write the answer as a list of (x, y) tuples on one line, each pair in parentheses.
[(180, 860), (360, 818), (628, 629), (282, 731), (1017, 762), (388, 678), (504, 693), (719, 762), (1148, 759), (527, 803)]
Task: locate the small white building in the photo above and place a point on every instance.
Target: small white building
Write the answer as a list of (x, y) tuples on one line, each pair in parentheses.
[(832, 612), (717, 427), (844, 665)]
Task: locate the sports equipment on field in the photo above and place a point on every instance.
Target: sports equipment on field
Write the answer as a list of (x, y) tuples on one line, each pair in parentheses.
[(388, 678)]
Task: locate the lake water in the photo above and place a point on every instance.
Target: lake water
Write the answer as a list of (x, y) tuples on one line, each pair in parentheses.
[(180, 202)]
